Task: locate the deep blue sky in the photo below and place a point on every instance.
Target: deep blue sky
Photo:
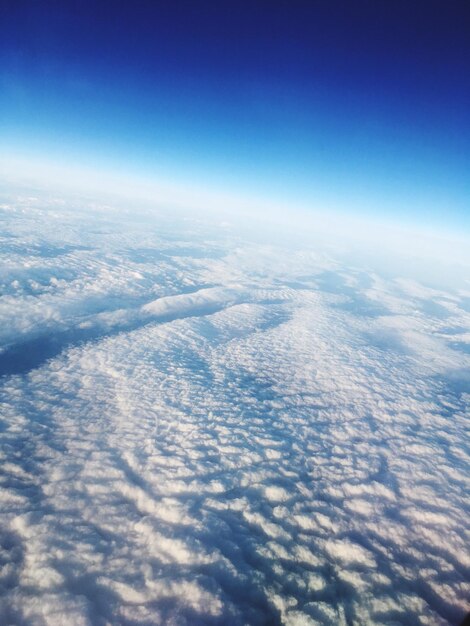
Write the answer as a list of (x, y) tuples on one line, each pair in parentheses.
[(360, 105)]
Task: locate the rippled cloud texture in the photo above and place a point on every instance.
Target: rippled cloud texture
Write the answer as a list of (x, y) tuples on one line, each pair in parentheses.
[(199, 429)]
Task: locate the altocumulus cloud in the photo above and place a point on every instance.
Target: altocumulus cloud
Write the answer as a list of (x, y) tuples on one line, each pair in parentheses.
[(200, 430)]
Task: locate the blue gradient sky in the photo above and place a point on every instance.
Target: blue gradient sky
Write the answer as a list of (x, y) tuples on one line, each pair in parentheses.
[(358, 106)]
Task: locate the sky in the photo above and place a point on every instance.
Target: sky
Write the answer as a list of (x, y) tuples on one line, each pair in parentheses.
[(207, 420), (362, 108)]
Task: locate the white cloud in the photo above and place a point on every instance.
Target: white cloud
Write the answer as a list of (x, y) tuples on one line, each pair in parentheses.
[(239, 437)]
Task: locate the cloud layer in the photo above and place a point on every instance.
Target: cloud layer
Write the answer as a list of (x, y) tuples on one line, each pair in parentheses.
[(223, 431)]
